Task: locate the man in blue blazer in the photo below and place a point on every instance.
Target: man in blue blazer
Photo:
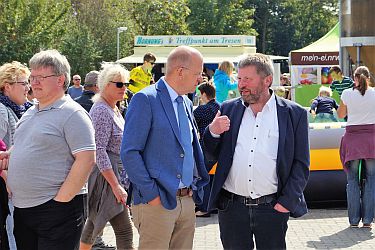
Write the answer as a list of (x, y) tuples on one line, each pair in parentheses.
[(162, 156), (261, 144)]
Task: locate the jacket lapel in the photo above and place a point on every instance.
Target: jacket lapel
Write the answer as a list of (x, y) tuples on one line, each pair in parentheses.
[(235, 120), (168, 107), (282, 116)]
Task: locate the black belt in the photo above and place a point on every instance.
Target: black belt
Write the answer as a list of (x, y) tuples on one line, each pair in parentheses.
[(248, 201)]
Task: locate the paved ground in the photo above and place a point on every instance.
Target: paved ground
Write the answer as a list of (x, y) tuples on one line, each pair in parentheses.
[(319, 229)]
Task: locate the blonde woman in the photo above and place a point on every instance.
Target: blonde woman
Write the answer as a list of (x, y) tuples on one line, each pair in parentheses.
[(106, 196), (224, 80), (14, 86)]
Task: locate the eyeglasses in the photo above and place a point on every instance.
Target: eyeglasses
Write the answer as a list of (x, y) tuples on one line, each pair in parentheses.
[(200, 74), (39, 78), (25, 83), (120, 84)]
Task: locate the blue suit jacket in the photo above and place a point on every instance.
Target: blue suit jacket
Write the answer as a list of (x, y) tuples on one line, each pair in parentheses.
[(151, 149), (293, 157)]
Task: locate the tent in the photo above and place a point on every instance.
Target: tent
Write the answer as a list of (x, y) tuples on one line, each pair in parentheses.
[(310, 66)]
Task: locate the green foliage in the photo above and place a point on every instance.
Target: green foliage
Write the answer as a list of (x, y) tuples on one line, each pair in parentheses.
[(215, 17), (28, 26), (160, 17), (285, 25)]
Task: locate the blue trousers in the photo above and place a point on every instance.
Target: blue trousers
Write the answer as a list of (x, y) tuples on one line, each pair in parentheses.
[(361, 208), (240, 225)]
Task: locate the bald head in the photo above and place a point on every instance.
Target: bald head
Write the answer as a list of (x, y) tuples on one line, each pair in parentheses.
[(181, 56), (184, 69)]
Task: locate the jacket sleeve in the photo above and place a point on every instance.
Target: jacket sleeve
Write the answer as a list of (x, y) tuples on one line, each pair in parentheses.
[(137, 127), (299, 172)]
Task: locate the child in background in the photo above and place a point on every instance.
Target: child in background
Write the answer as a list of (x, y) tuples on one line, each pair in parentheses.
[(323, 105)]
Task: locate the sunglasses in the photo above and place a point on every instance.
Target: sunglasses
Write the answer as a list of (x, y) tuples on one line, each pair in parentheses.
[(77, 79), (152, 63), (120, 84)]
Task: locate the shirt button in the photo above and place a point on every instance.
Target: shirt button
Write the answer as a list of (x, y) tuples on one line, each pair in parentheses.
[(255, 138), (251, 192), (251, 151), (179, 176), (182, 155), (257, 125), (250, 165), (249, 180)]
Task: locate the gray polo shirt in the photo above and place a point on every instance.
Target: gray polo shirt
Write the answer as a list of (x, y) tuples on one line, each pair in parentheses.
[(44, 143)]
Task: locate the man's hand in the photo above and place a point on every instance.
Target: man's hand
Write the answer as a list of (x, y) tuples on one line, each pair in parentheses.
[(155, 201), (278, 207), (220, 124), (4, 160)]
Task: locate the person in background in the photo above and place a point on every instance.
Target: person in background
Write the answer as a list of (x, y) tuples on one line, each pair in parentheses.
[(13, 91), (161, 153), (107, 197), (262, 147), (90, 89), (55, 132), (323, 105), (141, 77), (358, 147), (340, 82), (77, 89), (204, 114), (224, 80)]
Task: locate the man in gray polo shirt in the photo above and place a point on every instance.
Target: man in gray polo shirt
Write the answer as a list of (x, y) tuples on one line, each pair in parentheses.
[(52, 157)]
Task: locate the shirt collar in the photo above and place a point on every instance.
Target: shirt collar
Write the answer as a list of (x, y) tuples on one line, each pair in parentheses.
[(58, 104), (173, 94)]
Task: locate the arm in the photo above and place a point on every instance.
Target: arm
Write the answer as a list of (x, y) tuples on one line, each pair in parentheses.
[(342, 111), (314, 104), (299, 171), (137, 128), (78, 175), (80, 140)]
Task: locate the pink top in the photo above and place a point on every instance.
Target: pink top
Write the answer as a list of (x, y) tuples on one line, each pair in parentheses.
[(357, 143)]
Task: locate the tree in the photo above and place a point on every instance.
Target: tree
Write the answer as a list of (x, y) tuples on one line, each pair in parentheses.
[(220, 17), (284, 25), (27, 26), (160, 17)]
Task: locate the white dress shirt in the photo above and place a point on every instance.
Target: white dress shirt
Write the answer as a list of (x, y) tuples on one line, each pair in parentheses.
[(253, 171)]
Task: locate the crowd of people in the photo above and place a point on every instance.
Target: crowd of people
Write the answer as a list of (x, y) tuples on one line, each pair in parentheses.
[(127, 149)]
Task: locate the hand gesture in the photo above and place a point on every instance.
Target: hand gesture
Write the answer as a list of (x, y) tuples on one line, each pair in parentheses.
[(220, 124)]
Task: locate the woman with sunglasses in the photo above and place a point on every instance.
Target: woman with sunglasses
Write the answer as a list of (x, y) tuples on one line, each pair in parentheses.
[(13, 91), (106, 196)]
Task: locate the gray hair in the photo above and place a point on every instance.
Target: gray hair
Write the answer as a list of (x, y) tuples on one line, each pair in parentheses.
[(53, 59), (262, 63)]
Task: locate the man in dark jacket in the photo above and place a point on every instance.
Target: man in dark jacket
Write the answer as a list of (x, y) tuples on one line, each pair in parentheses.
[(261, 144), (90, 89)]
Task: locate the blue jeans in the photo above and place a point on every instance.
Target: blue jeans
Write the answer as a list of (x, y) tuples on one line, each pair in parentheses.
[(240, 223), (361, 208)]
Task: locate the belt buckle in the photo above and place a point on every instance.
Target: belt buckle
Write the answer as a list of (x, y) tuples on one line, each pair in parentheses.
[(250, 202)]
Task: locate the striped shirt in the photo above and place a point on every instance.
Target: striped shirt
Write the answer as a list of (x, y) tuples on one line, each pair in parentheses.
[(345, 83)]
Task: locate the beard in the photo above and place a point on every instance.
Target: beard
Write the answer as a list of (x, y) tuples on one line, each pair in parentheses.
[(251, 96)]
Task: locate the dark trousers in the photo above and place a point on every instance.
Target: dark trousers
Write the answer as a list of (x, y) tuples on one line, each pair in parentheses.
[(52, 225), (240, 223)]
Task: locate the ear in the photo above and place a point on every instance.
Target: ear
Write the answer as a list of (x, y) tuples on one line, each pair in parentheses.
[(268, 81), (61, 80)]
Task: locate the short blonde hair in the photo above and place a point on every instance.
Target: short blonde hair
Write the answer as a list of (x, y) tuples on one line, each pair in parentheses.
[(325, 90), (10, 72), (109, 72), (227, 67)]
